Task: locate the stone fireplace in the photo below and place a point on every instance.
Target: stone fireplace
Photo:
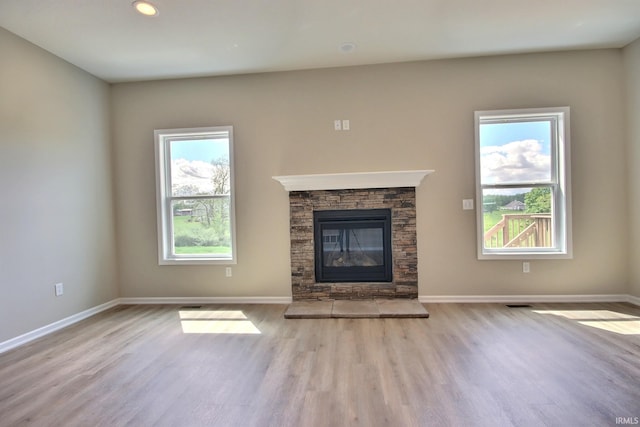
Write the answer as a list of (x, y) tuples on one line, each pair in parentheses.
[(356, 265)]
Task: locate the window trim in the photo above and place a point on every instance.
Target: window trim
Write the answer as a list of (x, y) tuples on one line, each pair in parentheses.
[(162, 138), (560, 181)]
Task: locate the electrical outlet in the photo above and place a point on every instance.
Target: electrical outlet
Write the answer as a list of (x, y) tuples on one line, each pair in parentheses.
[(346, 125), (526, 268), (228, 272), (337, 125), (59, 288), (467, 204)]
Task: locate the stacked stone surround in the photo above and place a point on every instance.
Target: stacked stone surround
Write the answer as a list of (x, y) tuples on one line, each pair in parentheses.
[(401, 201)]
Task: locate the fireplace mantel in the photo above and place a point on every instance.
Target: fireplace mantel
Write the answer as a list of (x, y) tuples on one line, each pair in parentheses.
[(357, 180)]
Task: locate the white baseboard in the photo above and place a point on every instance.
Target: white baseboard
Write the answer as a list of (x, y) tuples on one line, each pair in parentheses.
[(52, 327), (206, 300), (633, 300), (515, 299)]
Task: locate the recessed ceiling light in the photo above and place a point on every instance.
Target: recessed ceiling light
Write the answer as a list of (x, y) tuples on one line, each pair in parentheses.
[(145, 8), (347, 47)]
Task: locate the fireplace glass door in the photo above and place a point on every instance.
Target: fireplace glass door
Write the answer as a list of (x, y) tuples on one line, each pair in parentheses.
[(353, 245)]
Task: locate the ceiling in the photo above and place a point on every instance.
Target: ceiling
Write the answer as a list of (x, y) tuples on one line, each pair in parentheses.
[(110, 40)]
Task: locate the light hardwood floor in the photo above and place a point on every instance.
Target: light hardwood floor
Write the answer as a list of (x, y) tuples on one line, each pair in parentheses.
[(467, 365)]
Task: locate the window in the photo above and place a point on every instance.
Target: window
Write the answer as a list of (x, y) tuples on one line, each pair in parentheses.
[(522, 183), (194, 180)]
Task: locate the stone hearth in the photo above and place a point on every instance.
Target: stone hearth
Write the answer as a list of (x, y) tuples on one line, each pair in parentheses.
[(378, 308)]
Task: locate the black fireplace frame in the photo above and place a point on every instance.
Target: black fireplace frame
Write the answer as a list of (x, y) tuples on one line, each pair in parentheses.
[(354, 218)]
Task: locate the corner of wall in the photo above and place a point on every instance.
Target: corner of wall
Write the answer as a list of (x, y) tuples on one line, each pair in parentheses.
[(631, 59)]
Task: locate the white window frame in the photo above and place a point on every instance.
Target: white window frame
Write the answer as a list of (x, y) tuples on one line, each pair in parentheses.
[(164, 197), (560, 184)]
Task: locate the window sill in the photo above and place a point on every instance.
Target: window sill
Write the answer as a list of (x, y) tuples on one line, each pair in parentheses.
[(197, 261), (524, 256)]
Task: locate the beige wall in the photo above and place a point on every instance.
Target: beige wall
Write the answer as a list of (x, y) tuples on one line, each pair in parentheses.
[(403, 116), (632, 86), (56, 209)]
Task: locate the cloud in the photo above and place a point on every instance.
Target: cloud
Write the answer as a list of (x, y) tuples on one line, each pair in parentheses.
[(515, 162), (191, 175)]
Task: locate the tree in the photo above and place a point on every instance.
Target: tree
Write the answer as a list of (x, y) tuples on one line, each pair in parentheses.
[(221, 175), (216, 210), (538, 200)]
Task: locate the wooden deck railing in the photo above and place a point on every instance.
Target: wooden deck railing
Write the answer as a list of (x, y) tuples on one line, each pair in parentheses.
[(520, 231)]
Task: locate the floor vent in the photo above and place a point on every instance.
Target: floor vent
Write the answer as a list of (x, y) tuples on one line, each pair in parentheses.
[(190, 307), (518, 305)]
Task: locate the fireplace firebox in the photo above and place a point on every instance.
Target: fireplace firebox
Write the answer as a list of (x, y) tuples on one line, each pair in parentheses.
[(353, 245)]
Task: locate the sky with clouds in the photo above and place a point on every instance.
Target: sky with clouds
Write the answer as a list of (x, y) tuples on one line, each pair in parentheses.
[(204, 150), (191, 164), (512, 153)]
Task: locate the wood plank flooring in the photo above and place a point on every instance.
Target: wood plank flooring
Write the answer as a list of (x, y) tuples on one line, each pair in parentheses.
[(245, 365)]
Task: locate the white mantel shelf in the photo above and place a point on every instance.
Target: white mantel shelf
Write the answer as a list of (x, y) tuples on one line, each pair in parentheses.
[(348, 181)]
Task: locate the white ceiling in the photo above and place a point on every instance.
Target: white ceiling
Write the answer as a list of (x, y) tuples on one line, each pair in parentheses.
[(217, 37)]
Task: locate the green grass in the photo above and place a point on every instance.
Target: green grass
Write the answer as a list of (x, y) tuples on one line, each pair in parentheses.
[(184, 250), (183, 227)]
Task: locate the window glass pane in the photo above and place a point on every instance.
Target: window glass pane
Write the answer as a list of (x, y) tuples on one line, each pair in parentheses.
[(515, 152), (202, 227), (517, 218), (199, 167)]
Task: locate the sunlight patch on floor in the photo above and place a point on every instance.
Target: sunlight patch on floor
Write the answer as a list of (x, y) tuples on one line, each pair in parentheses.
[(212, 314), (612, 321), (216, 322)]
